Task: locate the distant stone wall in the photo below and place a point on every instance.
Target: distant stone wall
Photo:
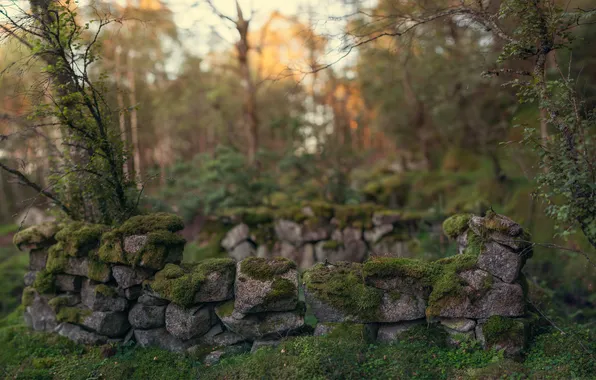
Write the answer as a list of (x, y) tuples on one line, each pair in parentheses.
[(319, 232), (96, 285)]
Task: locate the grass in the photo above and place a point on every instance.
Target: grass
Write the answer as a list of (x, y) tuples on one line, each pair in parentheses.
[(31, 355), (13, 265)]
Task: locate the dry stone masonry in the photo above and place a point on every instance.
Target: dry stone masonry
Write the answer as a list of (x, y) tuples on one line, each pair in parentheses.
[(314, 232), (96, 285)]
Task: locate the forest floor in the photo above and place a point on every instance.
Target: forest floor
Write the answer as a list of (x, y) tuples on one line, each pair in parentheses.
[(552, 355)]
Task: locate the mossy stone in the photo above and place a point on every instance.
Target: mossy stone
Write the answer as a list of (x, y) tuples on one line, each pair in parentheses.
[(98, 271), (498, 329), (105, 290), (342, 286), (456, 225), (28, 296), (144, 224), (78, 238), (72, 315), (225, 310), (266, 269), (180, 283), (57, 259), (281, 289), (42, 234)]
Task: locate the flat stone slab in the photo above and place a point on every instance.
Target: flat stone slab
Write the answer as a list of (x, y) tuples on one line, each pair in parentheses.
[(100, 297), (160, 338)]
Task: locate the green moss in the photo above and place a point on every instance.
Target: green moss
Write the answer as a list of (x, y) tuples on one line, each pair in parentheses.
[(498, 329), (57, 259), (28, 296), (225, 309), (447, 286), (394, 295), (160, 245), (179, 284), (105, 290), (98, 271), (111, 248), (332, 245), (456, 225), (342, 286), (42, 234), (44, 282), (475, 244), (281, 289), (78, 238), (72, 315), (265, 269), (57, 303), (143, 224), (388, 267), (351, 332)]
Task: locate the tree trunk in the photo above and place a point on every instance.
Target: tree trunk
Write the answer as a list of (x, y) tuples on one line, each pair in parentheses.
[(120, 100), (132, 99)]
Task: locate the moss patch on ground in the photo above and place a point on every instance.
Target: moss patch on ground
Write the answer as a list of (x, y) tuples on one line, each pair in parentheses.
[(26, 354), (180, 283), (266, 269)]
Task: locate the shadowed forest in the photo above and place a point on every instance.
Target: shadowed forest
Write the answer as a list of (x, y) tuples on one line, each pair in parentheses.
[(235, 111)]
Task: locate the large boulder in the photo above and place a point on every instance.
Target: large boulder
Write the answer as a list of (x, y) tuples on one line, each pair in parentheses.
[(502, 230), (266, 285), (186, 324), (147, 317)]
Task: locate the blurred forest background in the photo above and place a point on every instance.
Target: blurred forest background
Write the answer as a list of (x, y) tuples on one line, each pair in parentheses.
[(271, 109)]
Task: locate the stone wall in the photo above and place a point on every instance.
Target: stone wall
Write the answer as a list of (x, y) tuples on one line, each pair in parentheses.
[(97, 285), (318, 232)]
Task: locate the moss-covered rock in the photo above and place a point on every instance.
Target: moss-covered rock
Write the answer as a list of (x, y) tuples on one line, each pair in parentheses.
[(78, 239), (207, 281), (266, 269), (74, 315), (144, 224), (57, 259), (503, 333), (456, 225), (98, 271), (111, 248), (338, 292), (347, 331), (266, 285), (28, 296), (45, 282), (38, 236)]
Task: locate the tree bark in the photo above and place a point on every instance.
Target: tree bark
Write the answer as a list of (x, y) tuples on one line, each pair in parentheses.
[(132, 99), (120, 100)]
